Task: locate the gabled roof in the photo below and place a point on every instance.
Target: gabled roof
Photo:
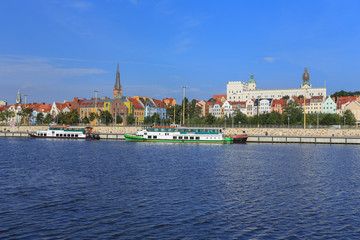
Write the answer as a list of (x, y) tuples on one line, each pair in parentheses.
[(158, 103), (282, 102), (136, 103), (219, 96), (44, 108)]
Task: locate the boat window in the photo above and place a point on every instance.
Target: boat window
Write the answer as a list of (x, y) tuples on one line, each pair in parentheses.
[(145, 133), (45, 134), (57, 134), (163, 130), (149, 136), (186, 138), (156, 129), (206, 130), (155, 137), (174, 137), (197, 138), (76, 135), (180, 137), (72, 135), (191, 138)]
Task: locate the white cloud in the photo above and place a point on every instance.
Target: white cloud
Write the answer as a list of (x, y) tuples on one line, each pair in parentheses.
[(270, 59)]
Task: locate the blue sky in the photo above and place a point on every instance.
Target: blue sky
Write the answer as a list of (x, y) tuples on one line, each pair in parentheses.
[(54, 50)]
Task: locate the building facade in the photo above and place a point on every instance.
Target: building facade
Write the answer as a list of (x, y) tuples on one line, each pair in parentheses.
[(241, 91)]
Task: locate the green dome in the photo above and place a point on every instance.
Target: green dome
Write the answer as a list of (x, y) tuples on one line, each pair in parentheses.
[(252, 80)]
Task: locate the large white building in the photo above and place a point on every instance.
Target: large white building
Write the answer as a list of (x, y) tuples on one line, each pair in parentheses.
[(241, 91)]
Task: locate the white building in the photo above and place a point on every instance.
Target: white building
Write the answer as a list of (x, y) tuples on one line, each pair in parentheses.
[(329, 106), (241, 91)]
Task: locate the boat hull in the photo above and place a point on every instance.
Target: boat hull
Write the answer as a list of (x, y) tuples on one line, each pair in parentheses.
[(95, 137), (240, 138), (131, 138)]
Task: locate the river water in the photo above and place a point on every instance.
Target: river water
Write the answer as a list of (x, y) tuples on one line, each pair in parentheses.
[(74, 189)]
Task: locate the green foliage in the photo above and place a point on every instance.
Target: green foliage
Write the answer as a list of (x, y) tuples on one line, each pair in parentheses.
[(294, 111), (25, 114), (93, 116), (343, 93), (119, 120), (105, 117), (39, 118), (210, 119), (285, 97), (274, 118), (85, 120), (301, 96), (240, 118), (148, 121), (155, 118), (130, 120), (349, 118), (48, 118), (8, 115)]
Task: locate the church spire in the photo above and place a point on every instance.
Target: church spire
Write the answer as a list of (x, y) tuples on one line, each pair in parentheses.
[(18, 99), (117, 87)]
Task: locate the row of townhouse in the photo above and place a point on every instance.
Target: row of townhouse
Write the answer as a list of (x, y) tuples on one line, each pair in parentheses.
[(218, 106), (139, 107)]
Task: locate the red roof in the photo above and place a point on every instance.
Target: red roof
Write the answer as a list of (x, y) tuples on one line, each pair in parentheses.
[(219, 96), (158, 103), (135, 103), (44, 108), (282, 102)]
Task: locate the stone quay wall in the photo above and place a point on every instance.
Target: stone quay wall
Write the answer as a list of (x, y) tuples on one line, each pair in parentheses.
[(228, 131)]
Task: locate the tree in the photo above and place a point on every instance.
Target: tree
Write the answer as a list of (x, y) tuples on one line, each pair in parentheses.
[(8, 115), (210, 119), (105, 117), (119, 119), (349, 117), (285, 97), (155, 118), (25, 114), (130, 119), (343, 93), (294, 111), (240, 118), (301, 96), (148, 120), (39, 118), (85, 120), (92, 116), (48, 118), (274, 118)]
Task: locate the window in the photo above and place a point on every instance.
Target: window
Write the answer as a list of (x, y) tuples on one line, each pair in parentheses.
[(180, 137), (174, 137), (149, 137), (186, 138), (191, 138), (154, 137), (197, 138)]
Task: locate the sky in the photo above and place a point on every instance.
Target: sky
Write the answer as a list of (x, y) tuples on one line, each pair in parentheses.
[(55, 50)]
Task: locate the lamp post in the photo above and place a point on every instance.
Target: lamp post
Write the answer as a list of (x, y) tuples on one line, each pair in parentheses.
[(288, 121), (184, 105), (239, 124), (96, 113)]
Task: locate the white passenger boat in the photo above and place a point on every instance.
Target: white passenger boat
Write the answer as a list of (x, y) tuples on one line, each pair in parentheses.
[(66, 132), (180, 135)]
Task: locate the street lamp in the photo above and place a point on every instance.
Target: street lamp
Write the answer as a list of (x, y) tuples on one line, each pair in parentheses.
[(288, 121), (184, 105), (239, 124)]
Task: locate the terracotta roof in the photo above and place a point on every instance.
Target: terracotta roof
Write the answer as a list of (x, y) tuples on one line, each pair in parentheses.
[(44, 108), (158, 103), (282, 102), (136, 103), (219, 96)]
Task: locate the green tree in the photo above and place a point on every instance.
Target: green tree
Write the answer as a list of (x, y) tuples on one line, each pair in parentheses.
[(92, 116), (119, 119), (25, 114), (105, 117), (294, 111), (130, 120), (155, 118), (8, 115), (40, 118), (274, 118), (48, 118), (148, 120), (285, 97), (85, 120), (210, 119), (240, 118), (349, 118)]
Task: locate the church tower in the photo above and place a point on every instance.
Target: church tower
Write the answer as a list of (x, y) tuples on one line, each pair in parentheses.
[(18, 99), (252, 83), (117, 87), (306, 78)]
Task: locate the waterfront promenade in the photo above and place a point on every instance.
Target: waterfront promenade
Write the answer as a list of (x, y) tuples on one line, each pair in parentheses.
[(264, 135)]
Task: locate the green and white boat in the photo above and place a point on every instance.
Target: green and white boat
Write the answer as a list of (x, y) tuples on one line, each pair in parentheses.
[(180, 135)]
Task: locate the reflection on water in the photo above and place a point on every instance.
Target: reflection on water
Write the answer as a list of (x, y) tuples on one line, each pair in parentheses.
[(114, 189)]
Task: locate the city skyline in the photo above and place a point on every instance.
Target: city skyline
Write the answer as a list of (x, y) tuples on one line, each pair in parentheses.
[(57, 50)]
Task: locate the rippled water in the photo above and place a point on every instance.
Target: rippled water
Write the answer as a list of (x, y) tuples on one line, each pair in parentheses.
[(119, 190)]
